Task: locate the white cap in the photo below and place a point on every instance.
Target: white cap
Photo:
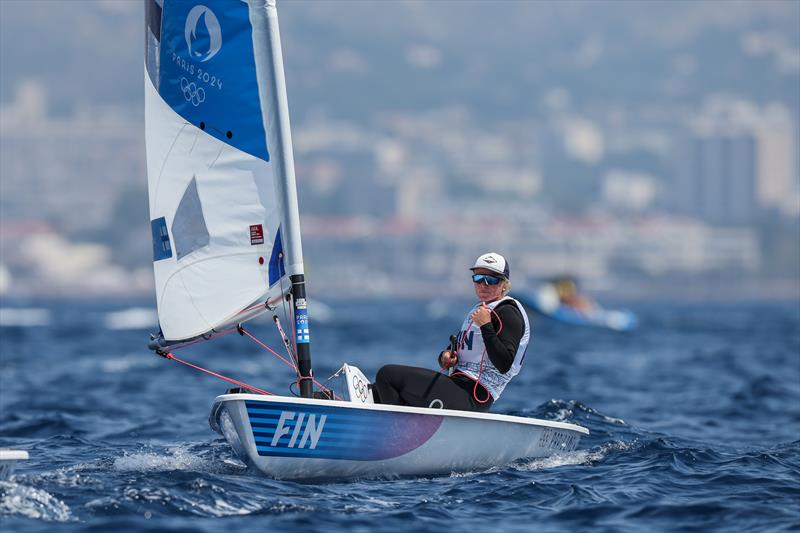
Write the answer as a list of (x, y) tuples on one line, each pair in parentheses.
[(494, 262)]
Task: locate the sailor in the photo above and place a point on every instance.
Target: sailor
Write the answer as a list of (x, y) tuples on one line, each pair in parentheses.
[(570, 296), (487, 352)]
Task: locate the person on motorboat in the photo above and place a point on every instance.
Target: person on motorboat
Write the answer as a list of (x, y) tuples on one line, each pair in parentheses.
[(485, 355), (570, 296)]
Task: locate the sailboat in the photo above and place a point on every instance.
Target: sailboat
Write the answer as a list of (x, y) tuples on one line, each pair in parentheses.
[(227, 248)]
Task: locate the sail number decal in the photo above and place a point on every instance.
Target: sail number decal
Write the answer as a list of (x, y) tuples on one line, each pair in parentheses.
[(292, 422), (551, 439)]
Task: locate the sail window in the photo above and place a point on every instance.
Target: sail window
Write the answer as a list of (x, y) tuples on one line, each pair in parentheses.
[(189, 229)]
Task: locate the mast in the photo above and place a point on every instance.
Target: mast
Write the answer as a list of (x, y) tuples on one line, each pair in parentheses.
[(270, 74)]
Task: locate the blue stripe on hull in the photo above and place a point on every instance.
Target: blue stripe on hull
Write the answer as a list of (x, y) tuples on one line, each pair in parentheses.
[(329, 432)]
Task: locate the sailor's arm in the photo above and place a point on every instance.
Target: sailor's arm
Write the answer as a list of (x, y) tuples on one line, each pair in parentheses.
[(502, 348)]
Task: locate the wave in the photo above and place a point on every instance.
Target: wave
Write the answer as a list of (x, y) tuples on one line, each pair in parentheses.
[(565, 410), (45, 425), (577, 457), (178, 458), (183, 457), (575, 412)]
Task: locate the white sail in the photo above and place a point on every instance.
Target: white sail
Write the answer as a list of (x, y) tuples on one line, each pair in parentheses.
[(223, 204)]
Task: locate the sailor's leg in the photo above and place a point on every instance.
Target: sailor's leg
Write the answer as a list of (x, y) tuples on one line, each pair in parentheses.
[(419, 387)]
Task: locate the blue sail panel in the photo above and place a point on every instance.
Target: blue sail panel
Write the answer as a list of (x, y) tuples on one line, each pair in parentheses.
[(207, 71), (276, 267)]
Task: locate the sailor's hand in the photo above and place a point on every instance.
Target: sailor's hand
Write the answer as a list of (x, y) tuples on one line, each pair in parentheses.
[(447, 359), (481, 316)]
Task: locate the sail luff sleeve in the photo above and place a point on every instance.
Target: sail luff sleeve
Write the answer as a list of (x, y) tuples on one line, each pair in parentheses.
[(270, 74)]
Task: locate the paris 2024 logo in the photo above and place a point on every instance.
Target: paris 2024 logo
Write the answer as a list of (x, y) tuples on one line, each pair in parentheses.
[(202, 33)]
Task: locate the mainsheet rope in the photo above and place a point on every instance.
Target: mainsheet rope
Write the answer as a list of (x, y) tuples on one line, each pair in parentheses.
[(483, 357), (171, 357)]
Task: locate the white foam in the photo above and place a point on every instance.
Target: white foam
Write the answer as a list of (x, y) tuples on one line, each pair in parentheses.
[(30, 502), (578, 457), (178, 458), (222, 508), (369, 504), (24, 317), (66, 477)]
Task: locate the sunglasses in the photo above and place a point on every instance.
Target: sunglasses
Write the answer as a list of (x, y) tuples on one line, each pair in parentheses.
[(486, 279)]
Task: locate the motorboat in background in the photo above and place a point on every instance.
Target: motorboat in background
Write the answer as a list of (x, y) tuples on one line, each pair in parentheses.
[(562, 301)]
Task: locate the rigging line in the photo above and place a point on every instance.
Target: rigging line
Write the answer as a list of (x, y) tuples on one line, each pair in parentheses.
[(170, 356), (290, 348), (329, 389), (276, 354), (286, 313), (270, 350), (286, 342)]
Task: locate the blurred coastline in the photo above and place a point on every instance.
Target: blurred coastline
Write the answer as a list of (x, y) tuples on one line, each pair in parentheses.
[(649, 148)]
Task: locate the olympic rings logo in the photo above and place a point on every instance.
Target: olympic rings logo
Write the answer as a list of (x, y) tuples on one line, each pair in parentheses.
[(194, 94), (360, 388)]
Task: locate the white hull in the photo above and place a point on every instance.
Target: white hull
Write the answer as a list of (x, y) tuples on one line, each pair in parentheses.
[(300, 438)]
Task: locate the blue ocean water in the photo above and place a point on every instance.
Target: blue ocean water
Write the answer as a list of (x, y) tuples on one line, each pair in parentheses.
[(694, 419)]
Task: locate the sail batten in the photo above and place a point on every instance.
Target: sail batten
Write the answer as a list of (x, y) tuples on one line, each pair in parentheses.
[(223, 203)]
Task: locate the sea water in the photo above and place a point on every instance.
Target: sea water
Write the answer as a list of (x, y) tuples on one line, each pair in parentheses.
[(694, 419)]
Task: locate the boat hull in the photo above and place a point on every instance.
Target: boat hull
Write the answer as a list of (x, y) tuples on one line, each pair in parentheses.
[(299, 438)]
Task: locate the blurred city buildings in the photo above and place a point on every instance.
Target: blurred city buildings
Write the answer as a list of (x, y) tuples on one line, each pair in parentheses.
[(655, 198), (738, 159)]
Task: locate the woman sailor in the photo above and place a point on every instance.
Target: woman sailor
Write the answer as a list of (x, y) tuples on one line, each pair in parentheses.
[(482, 359)]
